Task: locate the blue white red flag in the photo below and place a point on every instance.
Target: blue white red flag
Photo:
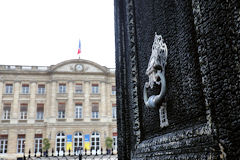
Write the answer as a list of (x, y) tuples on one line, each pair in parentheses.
[(79, 48)]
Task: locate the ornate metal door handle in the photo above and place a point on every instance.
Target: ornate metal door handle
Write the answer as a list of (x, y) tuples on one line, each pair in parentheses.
[(156, 72)]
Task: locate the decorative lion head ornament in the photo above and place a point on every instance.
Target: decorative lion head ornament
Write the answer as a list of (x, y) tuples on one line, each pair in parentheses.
[(156, 72)]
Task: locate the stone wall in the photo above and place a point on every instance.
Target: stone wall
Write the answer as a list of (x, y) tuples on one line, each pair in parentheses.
[(203, 77)]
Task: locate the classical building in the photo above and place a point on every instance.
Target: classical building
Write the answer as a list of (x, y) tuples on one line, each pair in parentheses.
[(73, 104)]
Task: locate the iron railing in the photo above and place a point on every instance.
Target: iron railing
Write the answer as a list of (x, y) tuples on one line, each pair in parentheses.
[(69, 155)]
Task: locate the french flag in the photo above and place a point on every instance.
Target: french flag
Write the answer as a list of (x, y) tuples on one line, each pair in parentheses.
[(79, 48)]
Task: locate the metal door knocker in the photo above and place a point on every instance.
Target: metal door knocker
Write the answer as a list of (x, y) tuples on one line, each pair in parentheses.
[(156, 72)]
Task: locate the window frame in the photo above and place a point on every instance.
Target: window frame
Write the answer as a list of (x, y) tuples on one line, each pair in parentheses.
[(25, 89), (41, 90), (95, 88), (61, 111), (21, 140), (114, 111), (78, 88), (95, 138), (40, 115), (62, 87), (77, 142), (8, 88), (114, 91), (23, 114), (38, 143), (3, 144), (78, 111), (62, 141), (95, 114), (6, 115)]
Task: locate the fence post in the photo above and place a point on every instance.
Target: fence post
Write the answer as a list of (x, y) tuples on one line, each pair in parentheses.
[(52, 152), (46, 153), (80, 156), (24, 157), (41, 153), (29, 153)]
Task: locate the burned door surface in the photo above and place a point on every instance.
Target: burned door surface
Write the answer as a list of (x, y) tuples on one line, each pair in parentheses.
[(197, 118)]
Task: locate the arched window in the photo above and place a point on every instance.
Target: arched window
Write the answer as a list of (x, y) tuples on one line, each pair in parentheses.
[(95, 141), (60, 141), (78, 141)]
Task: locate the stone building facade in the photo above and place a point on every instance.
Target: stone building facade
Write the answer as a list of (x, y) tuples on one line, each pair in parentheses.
[(202, 101), (70, 100)]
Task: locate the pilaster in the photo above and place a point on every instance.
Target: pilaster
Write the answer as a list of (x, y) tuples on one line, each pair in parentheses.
[(53, 102), (1, 93), (12, 141), (70, 106), (32, 105), (29, 142), (103, 107), (15, 106), (87, 105)]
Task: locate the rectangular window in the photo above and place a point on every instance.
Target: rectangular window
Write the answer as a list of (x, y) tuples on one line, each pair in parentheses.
[(113, 90), (78, 110), (38, 143), (6, 111), (23, 111), (95, 110), (40, 111), (3, 143), (94, 88), (61, 110), (114, 111), (9, 89), (78, 88), (41, 89), (21, 143), (25, 89), (62, 88)]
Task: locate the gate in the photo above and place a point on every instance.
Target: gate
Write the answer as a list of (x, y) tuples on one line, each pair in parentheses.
[(80, 155)]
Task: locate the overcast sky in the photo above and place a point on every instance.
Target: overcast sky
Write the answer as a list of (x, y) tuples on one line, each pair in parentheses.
[(47, 32)]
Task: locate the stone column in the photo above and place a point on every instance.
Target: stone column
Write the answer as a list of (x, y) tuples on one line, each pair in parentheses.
[(87, 105), (29, 140), (53, 103), (47, 106), (15, 107), (70, 105), (32, 105), (12, 141), (1, 93), (108, 101), (102, 106)]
